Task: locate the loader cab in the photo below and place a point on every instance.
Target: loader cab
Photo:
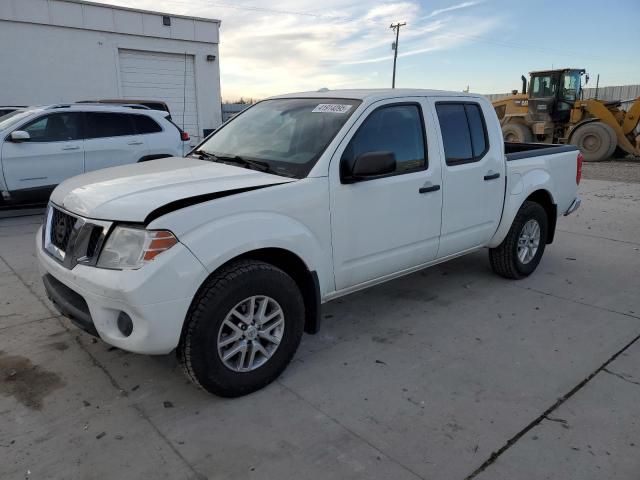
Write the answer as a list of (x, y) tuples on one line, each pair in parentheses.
[(553, 93)]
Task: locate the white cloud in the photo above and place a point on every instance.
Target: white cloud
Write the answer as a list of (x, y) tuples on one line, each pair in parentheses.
[(265, 52), (452, 8)]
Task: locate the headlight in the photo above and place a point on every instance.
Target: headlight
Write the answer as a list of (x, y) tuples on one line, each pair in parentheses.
[(129, 248)]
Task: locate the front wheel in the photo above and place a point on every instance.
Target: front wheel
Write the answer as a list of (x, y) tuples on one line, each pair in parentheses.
[(242, 329), (520, 252)]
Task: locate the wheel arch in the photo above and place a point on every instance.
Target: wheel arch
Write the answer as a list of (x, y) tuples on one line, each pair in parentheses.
[(545, 200), (532, 190), (157, 156), (296, 268)]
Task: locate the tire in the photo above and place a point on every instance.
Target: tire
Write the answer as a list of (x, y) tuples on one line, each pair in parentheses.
[(517, 132), (206, 322), (505, 260), (596, 140)]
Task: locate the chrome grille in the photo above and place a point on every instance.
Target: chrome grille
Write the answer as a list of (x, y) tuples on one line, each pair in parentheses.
[(61, 227), (71, 239)]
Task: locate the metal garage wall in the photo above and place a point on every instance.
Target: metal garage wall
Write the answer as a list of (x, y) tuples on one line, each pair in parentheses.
[(162, 76)]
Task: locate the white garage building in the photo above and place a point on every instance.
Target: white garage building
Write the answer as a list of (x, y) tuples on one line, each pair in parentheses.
[(58, 51)]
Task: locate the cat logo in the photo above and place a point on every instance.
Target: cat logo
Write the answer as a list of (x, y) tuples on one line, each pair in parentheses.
[(522, 103)]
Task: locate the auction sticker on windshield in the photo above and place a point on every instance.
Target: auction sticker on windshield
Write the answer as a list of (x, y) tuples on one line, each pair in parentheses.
[(331, 108)]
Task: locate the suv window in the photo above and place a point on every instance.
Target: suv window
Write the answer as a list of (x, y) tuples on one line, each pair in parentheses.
[(101, 125), (55, 127), (464, 132), (145, 124), (395, 128)]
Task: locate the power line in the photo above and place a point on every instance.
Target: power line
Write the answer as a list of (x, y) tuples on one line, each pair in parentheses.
[(396, 28)]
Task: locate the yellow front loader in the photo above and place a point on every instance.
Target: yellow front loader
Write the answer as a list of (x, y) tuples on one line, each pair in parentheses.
[(553, 112)]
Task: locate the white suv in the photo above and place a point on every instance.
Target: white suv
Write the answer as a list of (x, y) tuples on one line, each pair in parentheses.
[(42, 146)]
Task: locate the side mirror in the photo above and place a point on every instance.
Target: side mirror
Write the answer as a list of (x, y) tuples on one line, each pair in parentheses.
[(369, 165), (20, 136)]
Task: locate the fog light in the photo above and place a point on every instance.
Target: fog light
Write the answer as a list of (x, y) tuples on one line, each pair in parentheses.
[(125, 325)]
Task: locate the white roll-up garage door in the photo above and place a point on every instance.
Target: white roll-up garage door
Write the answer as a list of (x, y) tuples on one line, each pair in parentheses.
[(162, 76)]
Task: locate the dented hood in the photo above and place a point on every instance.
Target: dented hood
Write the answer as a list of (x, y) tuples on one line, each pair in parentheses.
[(133, 193)]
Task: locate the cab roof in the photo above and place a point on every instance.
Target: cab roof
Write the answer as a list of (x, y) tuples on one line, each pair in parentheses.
[(375, 93), (581, 70)]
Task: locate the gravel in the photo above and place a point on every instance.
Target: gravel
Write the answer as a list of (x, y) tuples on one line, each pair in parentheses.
[(615, 170)]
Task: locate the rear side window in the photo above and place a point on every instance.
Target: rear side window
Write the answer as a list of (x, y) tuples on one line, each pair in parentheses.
[(464, 133), (55, 127), (102, 125), (397, 129), (146, 124)]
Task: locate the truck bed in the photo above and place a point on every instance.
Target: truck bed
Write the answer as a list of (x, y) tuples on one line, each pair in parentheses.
[(517, 151)]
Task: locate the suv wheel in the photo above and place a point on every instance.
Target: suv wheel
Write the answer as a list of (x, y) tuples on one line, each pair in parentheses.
[(520, 252), (242, 329)]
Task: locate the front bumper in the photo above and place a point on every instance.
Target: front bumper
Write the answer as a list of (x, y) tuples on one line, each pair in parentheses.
[(156, 297), (574, 206)]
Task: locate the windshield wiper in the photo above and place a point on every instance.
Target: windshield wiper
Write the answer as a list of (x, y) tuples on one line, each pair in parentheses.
[(203, 155), (245, 162)]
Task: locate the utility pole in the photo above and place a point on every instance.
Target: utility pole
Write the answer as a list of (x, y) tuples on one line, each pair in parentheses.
[(396, 28)]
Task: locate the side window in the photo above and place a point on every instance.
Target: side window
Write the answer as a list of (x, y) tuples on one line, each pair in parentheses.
[(477, 129), (464, 133), (397, 129), (145, 124), (101, 125), (56, 127)]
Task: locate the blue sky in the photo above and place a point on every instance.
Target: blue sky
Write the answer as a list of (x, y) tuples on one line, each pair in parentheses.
[(272, 47)]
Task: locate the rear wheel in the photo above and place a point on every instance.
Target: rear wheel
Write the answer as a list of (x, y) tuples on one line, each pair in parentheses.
[(520, 252), (242, 329), (597, 141), (517, 133)]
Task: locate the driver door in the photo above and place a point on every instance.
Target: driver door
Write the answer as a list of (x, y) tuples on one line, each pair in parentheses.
[(384, 225)]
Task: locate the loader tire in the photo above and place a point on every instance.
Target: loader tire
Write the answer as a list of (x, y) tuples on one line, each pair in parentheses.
[(517, 133), (597, 141)]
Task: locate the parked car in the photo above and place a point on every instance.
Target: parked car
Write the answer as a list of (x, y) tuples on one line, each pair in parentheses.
[(227, 255), (42, 146), (5, 110)]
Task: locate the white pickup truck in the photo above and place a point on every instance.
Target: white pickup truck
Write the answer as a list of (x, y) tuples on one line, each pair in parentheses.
[(227, 255)]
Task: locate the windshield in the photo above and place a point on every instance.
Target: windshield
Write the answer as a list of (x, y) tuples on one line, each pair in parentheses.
[(11, 119), (288, 134), (570, 86), (544, 86)]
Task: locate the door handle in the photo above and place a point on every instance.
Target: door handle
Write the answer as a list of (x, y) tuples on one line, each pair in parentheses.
[(491, 176), (71, 148), (432, 188), (134, 143)]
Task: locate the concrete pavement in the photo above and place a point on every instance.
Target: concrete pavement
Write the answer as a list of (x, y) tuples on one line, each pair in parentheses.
[(449, 373)]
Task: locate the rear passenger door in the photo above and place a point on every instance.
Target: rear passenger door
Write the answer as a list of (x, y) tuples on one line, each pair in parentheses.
[(473, 175), (112, 140), (157, 141)]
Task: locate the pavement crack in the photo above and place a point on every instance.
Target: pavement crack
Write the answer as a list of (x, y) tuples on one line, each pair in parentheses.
[(620, 376), (597, 236), (604, 309), (547, 413)]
